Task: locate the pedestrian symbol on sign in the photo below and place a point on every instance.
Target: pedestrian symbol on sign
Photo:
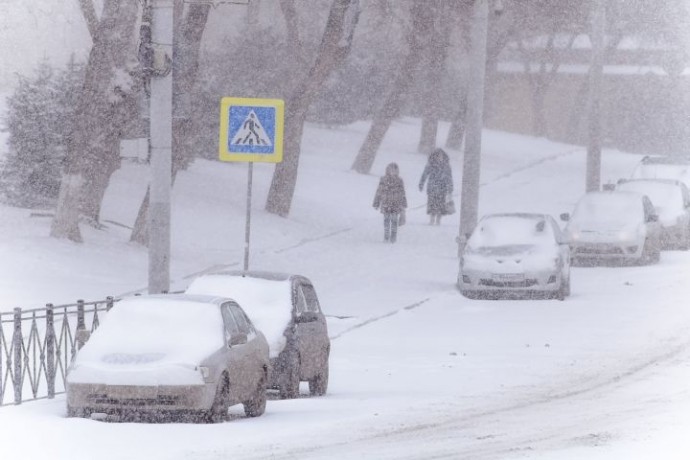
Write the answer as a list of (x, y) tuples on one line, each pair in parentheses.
[(252, 133), (251, 129)]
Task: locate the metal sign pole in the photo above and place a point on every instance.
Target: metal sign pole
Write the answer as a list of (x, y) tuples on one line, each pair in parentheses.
[(247, 230)]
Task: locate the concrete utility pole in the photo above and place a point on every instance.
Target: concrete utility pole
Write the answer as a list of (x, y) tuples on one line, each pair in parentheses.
[(161, 146), (596, 70), (469, 198)]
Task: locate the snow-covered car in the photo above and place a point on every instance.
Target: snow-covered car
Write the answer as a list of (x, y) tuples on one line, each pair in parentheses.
[(515, 253), (172, 357), (285, 307), (671, 200), (663, 167), (613, 226)]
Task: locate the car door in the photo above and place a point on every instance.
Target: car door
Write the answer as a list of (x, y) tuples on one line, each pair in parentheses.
[(312, 330), (562, 242), (251, 351), (235, 342)]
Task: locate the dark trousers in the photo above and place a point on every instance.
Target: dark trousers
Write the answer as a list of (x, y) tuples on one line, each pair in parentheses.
[(390, 226)]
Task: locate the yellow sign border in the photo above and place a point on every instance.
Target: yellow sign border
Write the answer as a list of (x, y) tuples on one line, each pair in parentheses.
[(277, 155)]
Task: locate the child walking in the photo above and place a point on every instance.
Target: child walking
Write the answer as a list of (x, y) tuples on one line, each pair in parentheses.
[(391, 200)]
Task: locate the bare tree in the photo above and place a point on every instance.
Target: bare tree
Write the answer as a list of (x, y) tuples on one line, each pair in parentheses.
[(422, 22), (435, 65), (92, 150), (335, 47)]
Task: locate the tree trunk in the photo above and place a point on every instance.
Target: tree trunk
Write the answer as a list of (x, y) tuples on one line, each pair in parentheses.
[(88, 147), (437, 53), (334, 48), (457, 127), (421, 18)]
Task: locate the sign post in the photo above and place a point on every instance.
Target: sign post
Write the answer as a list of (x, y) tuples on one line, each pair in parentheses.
[(251, 130)]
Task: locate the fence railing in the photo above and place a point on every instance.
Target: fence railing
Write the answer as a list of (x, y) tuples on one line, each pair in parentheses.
[(38, 345)]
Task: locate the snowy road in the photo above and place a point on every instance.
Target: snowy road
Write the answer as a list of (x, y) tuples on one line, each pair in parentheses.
[(417, 371)]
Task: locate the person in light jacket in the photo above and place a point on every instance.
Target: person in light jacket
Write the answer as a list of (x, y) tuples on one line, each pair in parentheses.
[(391, 200), (439, 184)]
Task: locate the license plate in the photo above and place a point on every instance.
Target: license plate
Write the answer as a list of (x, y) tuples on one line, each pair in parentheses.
[(509, 277)]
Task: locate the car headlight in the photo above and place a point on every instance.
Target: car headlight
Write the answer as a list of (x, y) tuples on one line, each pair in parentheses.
[(625, 236), (205, 373)]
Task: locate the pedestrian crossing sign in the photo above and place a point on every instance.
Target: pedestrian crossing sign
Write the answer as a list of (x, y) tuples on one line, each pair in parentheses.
[(251, 130)]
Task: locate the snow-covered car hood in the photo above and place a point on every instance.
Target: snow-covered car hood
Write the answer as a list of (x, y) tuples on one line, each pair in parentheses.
[(511, 258), (150, 342), (604, 232)]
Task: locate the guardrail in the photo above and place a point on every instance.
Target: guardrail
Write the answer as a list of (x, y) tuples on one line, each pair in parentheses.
[(38, 345)]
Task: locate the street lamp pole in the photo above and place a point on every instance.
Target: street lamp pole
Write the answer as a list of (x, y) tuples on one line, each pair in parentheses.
[(161, 146), (469, 198), (596, 70)]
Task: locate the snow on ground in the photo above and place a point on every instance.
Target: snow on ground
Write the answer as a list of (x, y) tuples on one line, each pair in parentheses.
[(417, 371)]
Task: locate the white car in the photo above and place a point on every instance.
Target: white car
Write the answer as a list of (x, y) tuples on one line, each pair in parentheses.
[(170, 357), (515, 253), (663, 167), (615, 227), (671, 200)]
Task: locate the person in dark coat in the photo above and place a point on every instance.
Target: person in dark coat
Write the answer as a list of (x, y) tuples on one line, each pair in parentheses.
[(439, 184), (391, 200)]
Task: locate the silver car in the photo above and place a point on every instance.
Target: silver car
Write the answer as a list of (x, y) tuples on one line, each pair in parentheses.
[(285, 307), (664, 167), (613, 227), (170, 357), (515, 253), (671, 200)]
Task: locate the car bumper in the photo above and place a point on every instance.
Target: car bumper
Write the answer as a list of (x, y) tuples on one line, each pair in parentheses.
[(620, 251), (547, 281), (90, 398)]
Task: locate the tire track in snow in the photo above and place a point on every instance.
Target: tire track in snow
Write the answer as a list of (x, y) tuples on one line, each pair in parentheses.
[(451, 429)]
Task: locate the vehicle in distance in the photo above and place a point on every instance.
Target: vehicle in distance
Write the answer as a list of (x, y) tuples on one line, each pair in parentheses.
[(515, 253), (170, 357), (285, 307), (671, 201), (664, 167), (613, 227)]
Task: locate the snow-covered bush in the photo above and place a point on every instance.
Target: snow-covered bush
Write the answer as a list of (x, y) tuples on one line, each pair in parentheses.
[(38, 122)]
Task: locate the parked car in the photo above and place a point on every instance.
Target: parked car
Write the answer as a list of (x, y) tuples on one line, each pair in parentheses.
[(515, 253), (285, 307), (664, 167), (671, 200), (171, 356), (615, 227)]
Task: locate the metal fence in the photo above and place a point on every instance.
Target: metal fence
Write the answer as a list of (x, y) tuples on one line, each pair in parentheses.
[(38, 345)]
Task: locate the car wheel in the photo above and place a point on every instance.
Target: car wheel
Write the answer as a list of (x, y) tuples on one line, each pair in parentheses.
[(565, 285), (221, 402), (289, 386), (257, 405), (319, 384), (470, 295), (650, 254), (74, 412)]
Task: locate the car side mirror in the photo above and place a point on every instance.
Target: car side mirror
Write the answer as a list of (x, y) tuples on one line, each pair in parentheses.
[(237, 339), (565, 217), (306, 317)]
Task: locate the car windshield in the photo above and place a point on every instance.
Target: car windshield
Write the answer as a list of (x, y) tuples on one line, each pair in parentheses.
[(664, 197), (142, 330), (679, 172), (608, 209), (504, 230), (268, 303)]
